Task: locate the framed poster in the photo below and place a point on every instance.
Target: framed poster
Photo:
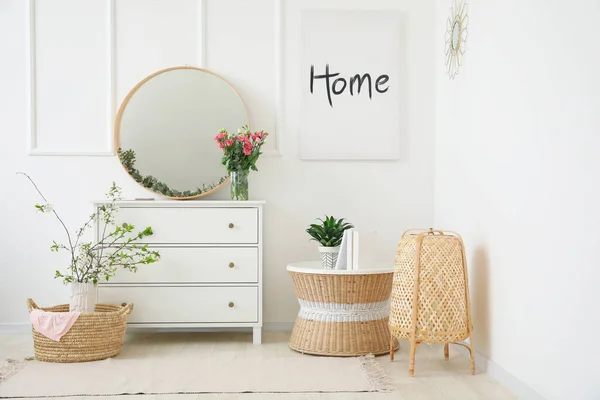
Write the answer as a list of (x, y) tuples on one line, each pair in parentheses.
[(353, 86)]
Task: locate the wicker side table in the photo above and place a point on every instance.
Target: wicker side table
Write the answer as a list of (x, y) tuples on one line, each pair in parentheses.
[(342, 313)]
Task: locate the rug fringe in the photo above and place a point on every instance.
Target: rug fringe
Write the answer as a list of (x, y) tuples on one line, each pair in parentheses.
[(11, 366), (377, 377)]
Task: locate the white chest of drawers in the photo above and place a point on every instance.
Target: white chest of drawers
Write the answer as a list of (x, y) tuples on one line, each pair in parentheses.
[(210, 271)]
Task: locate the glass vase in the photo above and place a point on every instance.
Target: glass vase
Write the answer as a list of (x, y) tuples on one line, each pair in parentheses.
[(239, 184)]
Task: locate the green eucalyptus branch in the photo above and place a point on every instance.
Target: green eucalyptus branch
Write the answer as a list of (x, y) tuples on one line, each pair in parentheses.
[(127, 159)]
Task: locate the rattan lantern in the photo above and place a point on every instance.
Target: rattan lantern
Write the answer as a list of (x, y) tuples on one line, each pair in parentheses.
[(430, 292)]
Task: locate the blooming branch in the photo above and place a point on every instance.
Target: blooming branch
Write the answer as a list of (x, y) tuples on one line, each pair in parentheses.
[(92, 262)]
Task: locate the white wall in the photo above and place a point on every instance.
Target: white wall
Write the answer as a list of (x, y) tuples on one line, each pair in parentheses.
[(517, 172), (381, 198)]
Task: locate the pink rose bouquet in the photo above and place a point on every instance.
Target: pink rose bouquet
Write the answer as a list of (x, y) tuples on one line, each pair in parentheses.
[(241, 151)]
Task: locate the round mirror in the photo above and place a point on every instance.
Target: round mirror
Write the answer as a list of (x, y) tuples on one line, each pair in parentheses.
[(455, 35), (165, 129)]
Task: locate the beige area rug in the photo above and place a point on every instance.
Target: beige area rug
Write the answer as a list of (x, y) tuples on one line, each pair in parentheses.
[(194, 364)]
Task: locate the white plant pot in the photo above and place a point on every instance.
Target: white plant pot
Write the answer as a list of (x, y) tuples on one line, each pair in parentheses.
[(329, 256), (83, 297)]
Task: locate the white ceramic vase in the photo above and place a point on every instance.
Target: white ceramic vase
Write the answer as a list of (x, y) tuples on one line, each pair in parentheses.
[(329, 256), (83, 297)]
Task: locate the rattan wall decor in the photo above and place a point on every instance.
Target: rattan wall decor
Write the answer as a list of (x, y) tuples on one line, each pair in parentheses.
[(456, 36), (430, 292)]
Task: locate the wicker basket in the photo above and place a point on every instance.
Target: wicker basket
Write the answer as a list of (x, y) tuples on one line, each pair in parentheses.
[(342, 315), (94, 336), (430, 292)]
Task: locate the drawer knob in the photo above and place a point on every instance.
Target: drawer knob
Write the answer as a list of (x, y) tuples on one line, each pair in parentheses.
[(230, 225), (231, 304), (231, 265)]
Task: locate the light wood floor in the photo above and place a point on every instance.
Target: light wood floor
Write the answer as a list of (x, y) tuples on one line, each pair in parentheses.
[(435, 378)]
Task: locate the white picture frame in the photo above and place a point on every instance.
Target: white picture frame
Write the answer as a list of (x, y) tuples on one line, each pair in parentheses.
[(353, 101)]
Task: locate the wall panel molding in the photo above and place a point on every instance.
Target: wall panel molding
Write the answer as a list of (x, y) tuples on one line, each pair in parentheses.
[(278, 60), (250, 58), (202, 33), (33, 147)]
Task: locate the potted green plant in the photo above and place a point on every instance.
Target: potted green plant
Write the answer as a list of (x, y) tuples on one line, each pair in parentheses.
[(329, 234), (89, 262)]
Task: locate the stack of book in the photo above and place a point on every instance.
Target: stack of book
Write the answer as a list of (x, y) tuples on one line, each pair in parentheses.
[(348, 256)]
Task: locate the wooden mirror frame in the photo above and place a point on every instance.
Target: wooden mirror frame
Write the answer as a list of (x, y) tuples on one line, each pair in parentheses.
[(119, 116)]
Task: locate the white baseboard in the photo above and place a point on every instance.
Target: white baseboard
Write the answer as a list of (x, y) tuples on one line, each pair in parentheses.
[(15, 328), (500, 375), (267, 327), (278, 326)]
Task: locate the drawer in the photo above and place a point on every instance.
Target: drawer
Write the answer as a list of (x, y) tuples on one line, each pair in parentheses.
[(196, 265), (161, 304), (193, 225)]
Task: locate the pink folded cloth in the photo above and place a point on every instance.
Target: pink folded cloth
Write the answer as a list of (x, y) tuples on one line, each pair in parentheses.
[(53, 325)]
